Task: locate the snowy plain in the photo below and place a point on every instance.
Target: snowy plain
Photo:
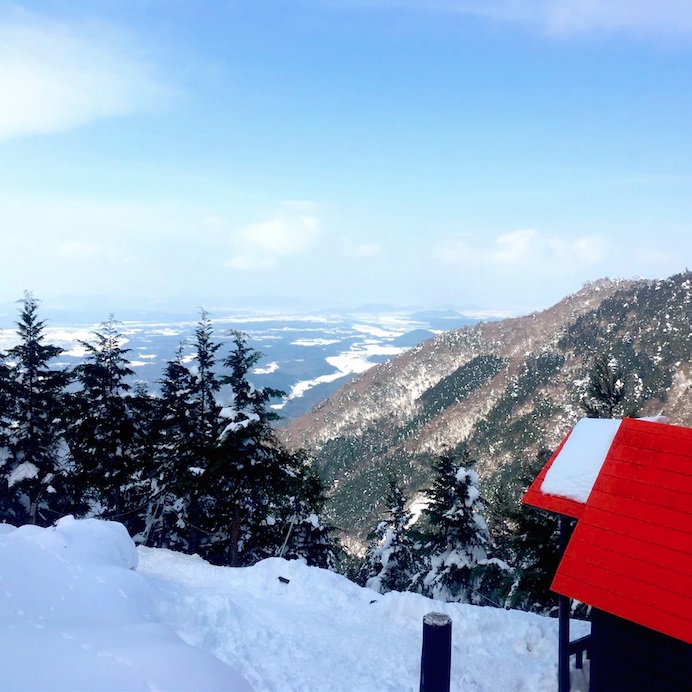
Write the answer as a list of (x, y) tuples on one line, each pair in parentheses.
[(307, 355), (81, 608)]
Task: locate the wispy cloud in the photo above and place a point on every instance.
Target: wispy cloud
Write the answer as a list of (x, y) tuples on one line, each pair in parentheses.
[(78, 250), (294, 231), (55, 77), (522, 249), (362, 250), (557, 17), (640, 16), (499, 9)]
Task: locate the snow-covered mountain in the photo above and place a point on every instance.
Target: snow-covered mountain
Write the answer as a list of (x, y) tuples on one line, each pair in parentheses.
[(82, 609), (506, 388)]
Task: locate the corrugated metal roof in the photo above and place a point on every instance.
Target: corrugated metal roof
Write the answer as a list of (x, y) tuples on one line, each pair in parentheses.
[(631, 551)]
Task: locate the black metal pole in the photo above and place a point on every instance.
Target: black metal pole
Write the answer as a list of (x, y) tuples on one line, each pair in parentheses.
[(563, 682), (436, 657)]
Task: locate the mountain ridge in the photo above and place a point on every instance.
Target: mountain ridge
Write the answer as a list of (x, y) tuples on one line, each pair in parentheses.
[(505, 388)]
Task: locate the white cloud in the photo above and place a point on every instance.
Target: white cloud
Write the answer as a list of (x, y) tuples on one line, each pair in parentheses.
[(667, 17), (55, 77), (641, 16), (78, 250), (499, 9), (260, 245), (367, 250), (522, 248), (90, 246), (362, 250)]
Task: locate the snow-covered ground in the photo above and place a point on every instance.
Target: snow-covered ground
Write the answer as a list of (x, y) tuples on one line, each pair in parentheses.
[(82, 609)]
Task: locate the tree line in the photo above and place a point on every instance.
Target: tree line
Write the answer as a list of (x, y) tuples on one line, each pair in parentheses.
[(195, 468), (487, 551), (198, 468)]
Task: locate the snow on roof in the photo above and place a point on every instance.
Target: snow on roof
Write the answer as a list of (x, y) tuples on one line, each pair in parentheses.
[(575, 469)]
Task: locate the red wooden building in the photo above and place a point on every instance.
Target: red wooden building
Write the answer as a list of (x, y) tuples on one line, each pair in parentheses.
[(628, 485)]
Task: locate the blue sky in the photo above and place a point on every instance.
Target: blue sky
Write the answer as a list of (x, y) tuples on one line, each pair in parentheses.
[(496, 154)]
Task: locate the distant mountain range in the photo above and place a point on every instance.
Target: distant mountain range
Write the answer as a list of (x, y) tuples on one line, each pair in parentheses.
[(507, 389)]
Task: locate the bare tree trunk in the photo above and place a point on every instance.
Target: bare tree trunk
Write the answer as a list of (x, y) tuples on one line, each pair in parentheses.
[(235, 535)]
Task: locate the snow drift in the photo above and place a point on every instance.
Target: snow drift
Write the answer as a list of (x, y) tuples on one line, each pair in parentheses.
[(82, 608)]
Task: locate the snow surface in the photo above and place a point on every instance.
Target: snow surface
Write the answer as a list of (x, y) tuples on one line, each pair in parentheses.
[(575, 469), (352, 362), (81, 608)]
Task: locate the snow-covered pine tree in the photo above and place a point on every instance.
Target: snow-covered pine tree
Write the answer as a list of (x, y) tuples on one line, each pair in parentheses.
[(175, 463), (206, 387), (143, 409), (36, 459), (606, 389), (390, 560), (533, 548), (306, 537), (10, 506), (246, 481), (102, 427), (458, 535)]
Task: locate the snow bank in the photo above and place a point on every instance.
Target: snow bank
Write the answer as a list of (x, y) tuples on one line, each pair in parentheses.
[(74, 615), (82, 609), (321, 632)]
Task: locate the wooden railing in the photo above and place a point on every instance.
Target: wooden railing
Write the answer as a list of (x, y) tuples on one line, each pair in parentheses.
[(578, 648)]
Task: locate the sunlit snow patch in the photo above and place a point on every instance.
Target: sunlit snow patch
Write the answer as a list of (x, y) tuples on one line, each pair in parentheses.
[(575, 469), (75, 615), (268, 369), (352, 362)]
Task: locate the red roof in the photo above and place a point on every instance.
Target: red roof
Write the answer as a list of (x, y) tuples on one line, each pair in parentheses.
[(631, 551)]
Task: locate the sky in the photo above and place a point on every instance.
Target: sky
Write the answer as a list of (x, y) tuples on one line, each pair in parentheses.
[(493, 154)]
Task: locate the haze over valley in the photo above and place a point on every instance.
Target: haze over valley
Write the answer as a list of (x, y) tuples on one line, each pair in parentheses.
[(306, 355)]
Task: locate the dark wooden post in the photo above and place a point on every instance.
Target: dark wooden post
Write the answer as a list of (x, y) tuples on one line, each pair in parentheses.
[(436, 657), (563, 682)]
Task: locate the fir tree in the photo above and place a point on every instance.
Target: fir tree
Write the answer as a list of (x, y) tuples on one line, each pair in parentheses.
[(206, 386), (246, 479), (10, 507), (390, 560), (606, 390), (36, 459), (533, 548), (175, 464), (307, 537), (458, 535), (144, 411), (102, 432)]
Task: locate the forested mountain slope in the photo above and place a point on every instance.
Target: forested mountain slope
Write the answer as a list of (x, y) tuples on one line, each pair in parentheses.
[(507, 389)]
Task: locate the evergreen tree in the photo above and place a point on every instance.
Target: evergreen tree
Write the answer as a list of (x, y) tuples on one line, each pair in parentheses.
[(390, 560), (10, 507), (102, 431), (307, 537), (36, 459), (502, 497), (175, 463), (533, 548), (144, 412), (606, 389), (246, 479), (206, 386), (458, 535)]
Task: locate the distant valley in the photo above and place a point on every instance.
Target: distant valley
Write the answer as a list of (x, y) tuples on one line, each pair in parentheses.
[(306, 355)]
